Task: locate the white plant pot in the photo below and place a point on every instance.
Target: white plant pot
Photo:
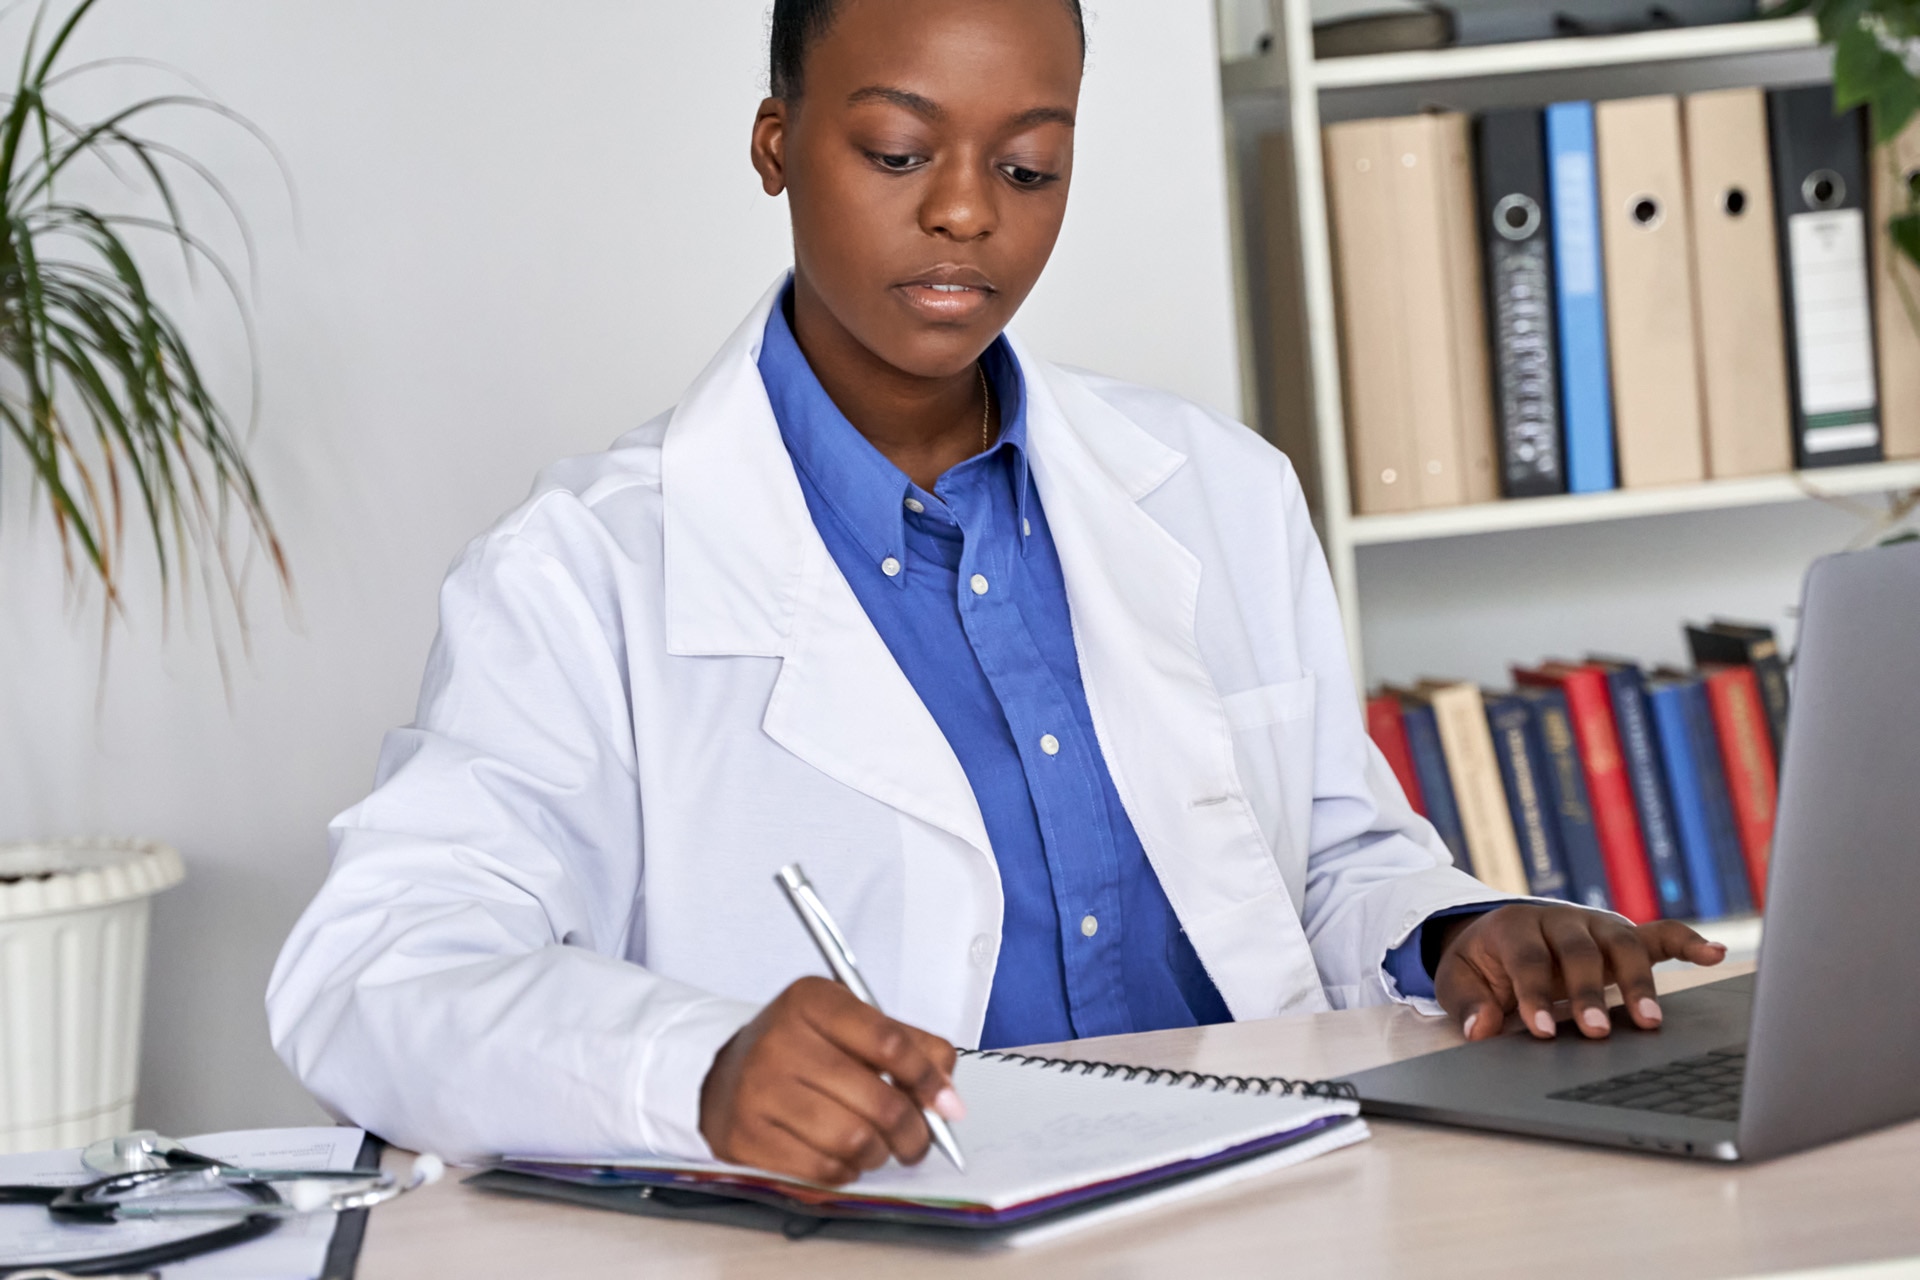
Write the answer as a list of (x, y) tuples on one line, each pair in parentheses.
[(73, 968)]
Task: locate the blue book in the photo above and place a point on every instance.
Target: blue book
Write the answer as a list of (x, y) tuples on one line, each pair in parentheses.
[(1666, 700), (1729, 856), (1586, 385), (1646, 774), (1523, 767), (1567, 791), (1436, 788)]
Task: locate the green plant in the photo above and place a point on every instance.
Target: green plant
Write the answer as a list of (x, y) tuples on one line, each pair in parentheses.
[(1876, 53), (98, 385)]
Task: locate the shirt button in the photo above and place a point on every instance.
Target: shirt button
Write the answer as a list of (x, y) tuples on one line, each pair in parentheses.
[(916, 506), (890, 567), (1050, 744), (1089, 927), (979, 584), (1026, 527), (981, 952)]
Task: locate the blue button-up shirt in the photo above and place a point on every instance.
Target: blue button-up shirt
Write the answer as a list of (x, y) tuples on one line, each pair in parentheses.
[(965, 588)]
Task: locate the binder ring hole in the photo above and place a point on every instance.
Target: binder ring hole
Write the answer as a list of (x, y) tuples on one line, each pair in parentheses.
[(1647, 212), (1516, 217), (1823, 189), (1911, 180), (1735, 202)]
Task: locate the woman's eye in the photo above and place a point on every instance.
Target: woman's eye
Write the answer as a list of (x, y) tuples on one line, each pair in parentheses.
[(1022, 176), (895, 163)]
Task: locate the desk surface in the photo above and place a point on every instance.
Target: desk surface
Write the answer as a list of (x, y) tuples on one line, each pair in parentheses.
[(1415, 1200)]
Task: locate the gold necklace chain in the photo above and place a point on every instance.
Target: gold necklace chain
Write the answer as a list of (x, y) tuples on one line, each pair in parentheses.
[(986, 410)]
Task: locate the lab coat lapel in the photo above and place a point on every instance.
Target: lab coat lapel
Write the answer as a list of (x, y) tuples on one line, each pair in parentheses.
[(747, 573), (1133, 590)]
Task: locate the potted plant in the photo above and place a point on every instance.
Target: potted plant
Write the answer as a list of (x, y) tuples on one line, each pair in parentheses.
[(102, 400)]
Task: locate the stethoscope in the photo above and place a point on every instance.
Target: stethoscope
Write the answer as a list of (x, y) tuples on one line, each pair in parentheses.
[(148, 1178)]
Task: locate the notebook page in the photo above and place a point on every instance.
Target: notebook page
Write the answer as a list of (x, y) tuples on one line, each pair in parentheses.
[(1032, 1132)]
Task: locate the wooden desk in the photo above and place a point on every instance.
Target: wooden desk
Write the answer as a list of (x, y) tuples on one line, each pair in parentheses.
[(1417, 1200)]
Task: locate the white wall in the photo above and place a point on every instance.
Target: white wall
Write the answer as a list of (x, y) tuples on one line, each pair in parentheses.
[(524, 227)]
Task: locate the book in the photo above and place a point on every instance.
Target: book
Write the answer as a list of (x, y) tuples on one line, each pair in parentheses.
[(1652, 315), (1743, 337), (1511, 149), (1730, 859), (1734, 694), (1430, 770), (1896, 294), (1748, 644), (1523, 770), (1820, 191), (1492, 848), (1580, 308), (1566, 784), (1386, 726), (1590, 705), (1666, 702), (1048, 1143), (1646, 772)]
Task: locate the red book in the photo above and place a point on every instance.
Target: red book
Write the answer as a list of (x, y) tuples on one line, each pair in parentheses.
[(1745, 750), (1389, 733), (1609, 790)]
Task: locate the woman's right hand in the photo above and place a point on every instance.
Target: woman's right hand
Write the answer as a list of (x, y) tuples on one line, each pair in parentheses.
[(798, 1090)]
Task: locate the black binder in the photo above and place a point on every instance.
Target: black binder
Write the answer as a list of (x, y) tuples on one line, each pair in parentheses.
[(1820, 197), (1515, 231)]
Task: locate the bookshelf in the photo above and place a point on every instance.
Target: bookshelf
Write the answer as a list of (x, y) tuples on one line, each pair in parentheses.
[(1275, 106)]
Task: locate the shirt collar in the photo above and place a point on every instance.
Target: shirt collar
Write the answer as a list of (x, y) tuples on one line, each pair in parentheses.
[(865, 491)]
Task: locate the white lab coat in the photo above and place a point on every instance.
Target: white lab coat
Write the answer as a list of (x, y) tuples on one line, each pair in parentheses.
[(652, 687)]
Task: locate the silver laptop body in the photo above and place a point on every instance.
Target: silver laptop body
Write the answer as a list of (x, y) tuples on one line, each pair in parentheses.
[(1823, 1040)]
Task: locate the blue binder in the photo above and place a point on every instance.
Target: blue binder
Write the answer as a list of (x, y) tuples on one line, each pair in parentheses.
[(1586, 386), (1667, 699)]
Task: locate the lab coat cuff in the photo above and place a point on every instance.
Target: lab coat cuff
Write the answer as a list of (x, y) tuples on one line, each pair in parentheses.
[(674, 1069)]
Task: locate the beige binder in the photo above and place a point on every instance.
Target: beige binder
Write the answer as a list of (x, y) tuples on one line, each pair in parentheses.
[(1411, 316), (1896, 287), (1648, 246), (1743, 340)]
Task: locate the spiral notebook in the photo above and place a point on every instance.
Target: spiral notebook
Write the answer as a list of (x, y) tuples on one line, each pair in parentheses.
[(1045, 1140)]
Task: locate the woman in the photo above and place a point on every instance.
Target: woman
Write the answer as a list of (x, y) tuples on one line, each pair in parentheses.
[(1039, 675)]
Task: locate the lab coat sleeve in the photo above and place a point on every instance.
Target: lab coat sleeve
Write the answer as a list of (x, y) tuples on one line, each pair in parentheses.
[(1375, 870), (458, 985)]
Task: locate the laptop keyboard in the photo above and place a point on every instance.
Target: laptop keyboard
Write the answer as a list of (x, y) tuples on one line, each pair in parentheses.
[(1707, 1086)]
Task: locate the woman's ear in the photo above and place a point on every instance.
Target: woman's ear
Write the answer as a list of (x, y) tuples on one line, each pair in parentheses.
[(770, 146)]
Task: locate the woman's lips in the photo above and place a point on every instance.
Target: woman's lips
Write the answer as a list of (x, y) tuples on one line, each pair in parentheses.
[(939, 300)]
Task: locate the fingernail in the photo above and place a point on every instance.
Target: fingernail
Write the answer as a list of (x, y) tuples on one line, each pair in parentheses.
[(1595, 1018), (1649, 1011), (1473, 1020), (947, 1103), (1543, 1022)]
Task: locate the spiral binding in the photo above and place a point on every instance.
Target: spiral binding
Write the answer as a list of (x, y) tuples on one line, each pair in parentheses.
[(1269, 1085)]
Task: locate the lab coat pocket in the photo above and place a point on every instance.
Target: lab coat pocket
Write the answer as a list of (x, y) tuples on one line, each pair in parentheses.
[(1273, 748)]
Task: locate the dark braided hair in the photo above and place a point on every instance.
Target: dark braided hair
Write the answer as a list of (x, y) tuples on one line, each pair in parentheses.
[(798, 23)]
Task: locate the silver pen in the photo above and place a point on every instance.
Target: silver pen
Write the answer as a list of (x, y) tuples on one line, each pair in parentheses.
[(833, 946)]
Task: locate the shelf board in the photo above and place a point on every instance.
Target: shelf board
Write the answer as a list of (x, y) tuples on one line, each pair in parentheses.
[(1627, 504), (1267, 74)]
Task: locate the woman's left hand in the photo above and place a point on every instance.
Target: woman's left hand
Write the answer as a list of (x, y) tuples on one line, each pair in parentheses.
[(1525, 956)]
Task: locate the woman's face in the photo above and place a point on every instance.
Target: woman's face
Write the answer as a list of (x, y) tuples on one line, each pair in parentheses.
[(926, 167)]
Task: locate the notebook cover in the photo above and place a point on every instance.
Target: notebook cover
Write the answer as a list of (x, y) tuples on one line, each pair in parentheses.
[(1523, 771), (1735, 697), (1590, 705), (1729, 858), (1896, 295), (1436, 788), (1491, 844), (1586, 392), (1743, 337), (1517, 249), (1666, 700), (1646, 231), (1389, 733), (1820, 192), (1646, 772), (1566, 784)]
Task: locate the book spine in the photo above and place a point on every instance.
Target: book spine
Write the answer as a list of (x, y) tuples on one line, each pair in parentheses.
[(1735, 696), (1620, 844), (1645, 774), (1521, 769), (1586, 386), (1476, 787), (1567, 785), (1729, 860), (1385, 727), (1436, 789), (1668, 706), (1771, 674)]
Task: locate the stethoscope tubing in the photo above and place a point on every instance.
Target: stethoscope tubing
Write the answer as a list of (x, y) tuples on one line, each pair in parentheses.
[(71, 1203)]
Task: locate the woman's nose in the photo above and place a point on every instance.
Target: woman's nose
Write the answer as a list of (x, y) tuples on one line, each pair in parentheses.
[(959, 200)]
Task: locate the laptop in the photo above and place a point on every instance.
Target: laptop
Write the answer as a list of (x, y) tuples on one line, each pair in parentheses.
[(1822, 1041)]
